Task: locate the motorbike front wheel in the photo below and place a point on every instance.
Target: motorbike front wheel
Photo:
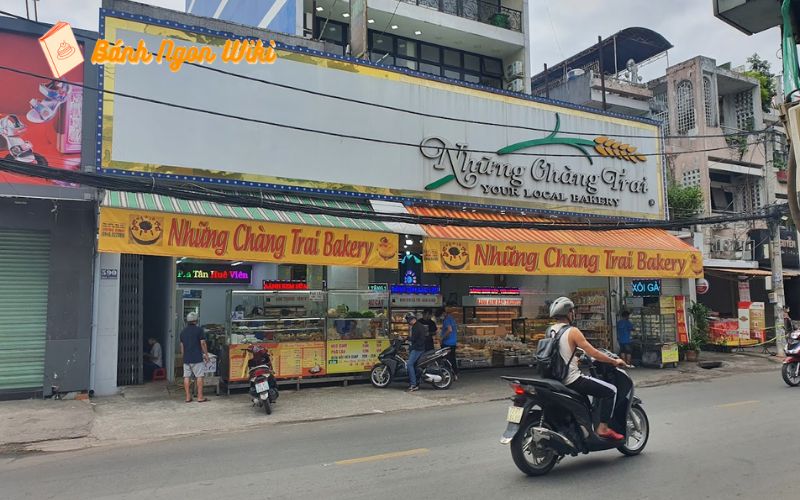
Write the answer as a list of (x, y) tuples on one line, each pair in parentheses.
[(380, 376), (531, 459), (791, 373), (638, 432)]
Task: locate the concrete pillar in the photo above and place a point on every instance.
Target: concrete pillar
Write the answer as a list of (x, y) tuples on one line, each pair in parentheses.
[(106, 340)]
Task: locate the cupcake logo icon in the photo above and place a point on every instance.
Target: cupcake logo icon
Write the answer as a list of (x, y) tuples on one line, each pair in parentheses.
[(64, 50)]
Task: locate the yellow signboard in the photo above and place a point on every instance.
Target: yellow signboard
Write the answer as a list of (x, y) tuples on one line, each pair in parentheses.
[(491, 257), (178, 235), (669, 353), (350, 356)]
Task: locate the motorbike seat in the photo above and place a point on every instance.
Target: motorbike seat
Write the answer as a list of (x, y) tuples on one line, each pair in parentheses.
[(557, 386)]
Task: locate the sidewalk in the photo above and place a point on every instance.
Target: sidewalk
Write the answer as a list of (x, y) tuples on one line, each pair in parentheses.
[(157, 411)]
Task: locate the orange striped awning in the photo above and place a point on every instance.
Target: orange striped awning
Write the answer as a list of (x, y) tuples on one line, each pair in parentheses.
[(625, 252)]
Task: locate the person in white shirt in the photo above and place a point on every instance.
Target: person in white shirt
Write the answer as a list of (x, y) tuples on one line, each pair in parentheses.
[(154, 359)]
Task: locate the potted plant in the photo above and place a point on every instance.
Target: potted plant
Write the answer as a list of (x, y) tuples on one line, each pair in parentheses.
[(692, 350), (499, 19), (699, 332)]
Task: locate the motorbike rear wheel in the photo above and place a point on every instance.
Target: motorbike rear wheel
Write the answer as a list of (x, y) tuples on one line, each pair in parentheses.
[(447, 378), (638, 432), (528, 457), (267, 406), (380, 376), (790, 373)]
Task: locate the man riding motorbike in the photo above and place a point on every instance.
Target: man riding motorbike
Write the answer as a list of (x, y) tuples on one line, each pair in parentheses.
[(563, 311)]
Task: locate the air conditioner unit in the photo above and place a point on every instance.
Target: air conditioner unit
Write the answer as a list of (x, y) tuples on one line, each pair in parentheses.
[(515, 70), (517, 85)]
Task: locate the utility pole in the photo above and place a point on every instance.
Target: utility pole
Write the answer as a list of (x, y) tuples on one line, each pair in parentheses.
[(775, 254)]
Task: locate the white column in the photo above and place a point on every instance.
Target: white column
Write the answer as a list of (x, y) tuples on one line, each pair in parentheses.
[(106, 341)]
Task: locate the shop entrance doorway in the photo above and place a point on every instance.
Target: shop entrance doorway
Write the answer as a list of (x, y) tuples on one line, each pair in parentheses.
[(146, 285)]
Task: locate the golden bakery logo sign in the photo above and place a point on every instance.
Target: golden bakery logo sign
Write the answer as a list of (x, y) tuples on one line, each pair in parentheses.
[(165, 234), (496, 175), (175, 56)]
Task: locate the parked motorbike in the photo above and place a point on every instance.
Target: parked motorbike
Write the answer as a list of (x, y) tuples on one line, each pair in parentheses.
[(548, 421), (432, 367), (791, 365), (263, 386)]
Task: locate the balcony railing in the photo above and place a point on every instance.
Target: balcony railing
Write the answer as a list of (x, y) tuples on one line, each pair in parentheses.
[(478, 10)]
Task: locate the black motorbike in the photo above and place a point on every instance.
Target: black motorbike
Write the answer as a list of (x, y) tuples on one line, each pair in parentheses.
[(432, 367), (263, 386), (549, 421)]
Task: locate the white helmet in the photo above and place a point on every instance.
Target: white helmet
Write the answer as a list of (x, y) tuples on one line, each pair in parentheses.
[(561, 307), (191, 317)]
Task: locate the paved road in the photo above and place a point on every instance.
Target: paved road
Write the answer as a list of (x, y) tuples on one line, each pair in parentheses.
[(731, 437)]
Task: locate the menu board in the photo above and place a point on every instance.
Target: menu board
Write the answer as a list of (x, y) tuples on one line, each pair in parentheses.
[(289, 360), (300, 359), (350, 356)]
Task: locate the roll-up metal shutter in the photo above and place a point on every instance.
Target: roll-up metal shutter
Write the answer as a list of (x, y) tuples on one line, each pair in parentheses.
[(24, 279)]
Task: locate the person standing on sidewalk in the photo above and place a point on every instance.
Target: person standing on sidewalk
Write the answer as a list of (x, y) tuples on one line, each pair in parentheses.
[(195, 354), (449, 336), (428, 321), (416, 336)]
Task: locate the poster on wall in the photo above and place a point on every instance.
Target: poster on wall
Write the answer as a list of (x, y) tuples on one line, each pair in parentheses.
[(525, 154), (40, 119)]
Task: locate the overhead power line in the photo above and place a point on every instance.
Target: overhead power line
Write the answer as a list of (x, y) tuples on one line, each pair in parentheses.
[(325, 132), (190, 191), (429, 115)]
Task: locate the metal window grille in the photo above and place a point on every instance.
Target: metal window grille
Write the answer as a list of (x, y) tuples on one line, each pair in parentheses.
[(711, 119), (743, 108), (660, 109), (686, 120)]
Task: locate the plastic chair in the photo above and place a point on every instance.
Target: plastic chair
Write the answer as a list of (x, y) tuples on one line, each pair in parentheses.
[(159, 374)]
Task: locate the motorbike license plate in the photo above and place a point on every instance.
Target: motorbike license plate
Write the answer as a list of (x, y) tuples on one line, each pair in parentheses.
[(262, 387), (515, 414)]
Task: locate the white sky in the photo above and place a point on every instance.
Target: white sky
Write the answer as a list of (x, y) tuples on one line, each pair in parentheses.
[(559, 29)]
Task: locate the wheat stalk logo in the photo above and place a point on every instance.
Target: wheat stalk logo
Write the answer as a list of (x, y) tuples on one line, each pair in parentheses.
[(615, 149)]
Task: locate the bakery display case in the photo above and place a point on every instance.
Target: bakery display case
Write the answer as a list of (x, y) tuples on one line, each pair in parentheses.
[(357, 314), (291, 325), (488, 316)]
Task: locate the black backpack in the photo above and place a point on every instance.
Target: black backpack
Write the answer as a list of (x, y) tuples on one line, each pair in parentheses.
[(548, 359)]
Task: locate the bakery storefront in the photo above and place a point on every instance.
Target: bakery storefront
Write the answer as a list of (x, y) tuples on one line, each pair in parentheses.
[(501, 282), (357, 133), (252, 276)]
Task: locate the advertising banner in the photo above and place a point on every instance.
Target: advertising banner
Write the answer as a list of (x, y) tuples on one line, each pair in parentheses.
[(744, 320), (478, 257), (757, 322), (178, 235), (350, 356), (409, 137), (289, 359), (40, 119), (680, 317)]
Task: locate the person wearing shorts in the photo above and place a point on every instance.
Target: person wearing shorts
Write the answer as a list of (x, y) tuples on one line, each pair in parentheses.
[(195, 354)]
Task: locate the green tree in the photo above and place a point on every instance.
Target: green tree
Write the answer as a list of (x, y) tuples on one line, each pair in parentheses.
[(684, 201), (760, 70)]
